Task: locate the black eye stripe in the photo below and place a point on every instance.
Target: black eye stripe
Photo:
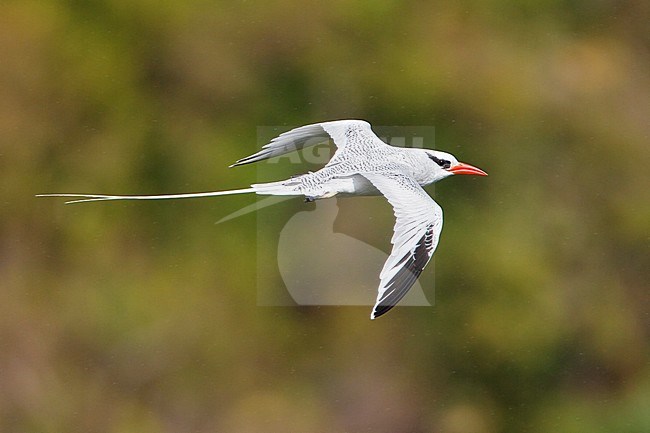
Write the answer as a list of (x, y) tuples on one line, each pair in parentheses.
[(441, 162)]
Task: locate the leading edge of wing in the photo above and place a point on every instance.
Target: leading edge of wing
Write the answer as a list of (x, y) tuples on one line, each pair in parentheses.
[(305, 136)]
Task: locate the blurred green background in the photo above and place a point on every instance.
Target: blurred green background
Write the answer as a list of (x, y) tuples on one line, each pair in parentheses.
[(142, 317)]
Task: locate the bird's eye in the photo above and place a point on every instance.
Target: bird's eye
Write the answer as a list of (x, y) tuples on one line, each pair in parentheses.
[(443, 163)]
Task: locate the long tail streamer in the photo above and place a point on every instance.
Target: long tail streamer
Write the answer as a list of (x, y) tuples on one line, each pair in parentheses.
[(84, 198)]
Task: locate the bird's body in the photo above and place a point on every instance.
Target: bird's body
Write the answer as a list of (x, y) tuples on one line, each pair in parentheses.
[(361, 165), (360, 151)]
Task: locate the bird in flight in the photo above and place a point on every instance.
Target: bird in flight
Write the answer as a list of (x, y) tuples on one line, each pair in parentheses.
[(361, 165)]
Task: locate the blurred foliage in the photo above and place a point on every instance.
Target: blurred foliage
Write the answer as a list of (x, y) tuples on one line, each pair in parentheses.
[(143, 318)]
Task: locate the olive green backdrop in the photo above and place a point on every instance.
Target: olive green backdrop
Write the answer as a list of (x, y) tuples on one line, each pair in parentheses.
[(143, 317)]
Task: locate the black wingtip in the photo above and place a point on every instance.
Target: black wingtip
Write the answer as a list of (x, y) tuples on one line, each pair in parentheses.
[(380, 310), (238, 163)]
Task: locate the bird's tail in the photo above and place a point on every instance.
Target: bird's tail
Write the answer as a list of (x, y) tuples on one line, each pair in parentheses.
[(272, 188), (83, 198), (283, 187)]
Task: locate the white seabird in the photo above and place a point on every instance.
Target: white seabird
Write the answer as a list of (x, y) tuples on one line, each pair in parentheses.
[(361, 165)]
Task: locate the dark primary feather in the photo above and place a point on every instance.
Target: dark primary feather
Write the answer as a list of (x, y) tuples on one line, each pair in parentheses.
[(414, 263), (290, 141)]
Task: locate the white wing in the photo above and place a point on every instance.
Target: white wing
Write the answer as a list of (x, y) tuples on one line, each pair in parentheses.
[(416, 233), (344, 133)]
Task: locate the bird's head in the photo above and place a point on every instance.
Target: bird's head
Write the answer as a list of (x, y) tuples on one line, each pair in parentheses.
[(444, 164)]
